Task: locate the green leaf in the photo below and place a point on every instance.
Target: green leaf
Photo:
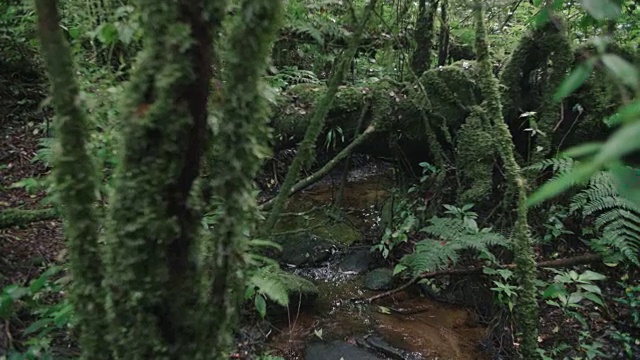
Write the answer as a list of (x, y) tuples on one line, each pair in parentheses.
[(602, 9), (582, 150), (620, 143), (626, 182), (593, 297), (591, 276), (573, 81), (563, 182), (553, 291), (261, 305), (590, 288), (622, 70)]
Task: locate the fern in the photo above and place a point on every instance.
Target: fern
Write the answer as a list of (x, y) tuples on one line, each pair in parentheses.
[(276, 284), (617, 218), (447, 239), (557, 165)]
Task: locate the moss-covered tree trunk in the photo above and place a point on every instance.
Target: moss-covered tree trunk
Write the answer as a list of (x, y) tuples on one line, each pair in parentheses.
[(240, 145), (154, 305), (74, 184), (527, 309), (421, 59)]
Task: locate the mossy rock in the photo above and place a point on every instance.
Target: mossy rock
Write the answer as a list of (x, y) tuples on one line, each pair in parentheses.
[(379, 279), (304, 249)]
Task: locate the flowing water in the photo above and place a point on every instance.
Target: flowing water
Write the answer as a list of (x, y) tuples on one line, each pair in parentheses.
[(410, 325)]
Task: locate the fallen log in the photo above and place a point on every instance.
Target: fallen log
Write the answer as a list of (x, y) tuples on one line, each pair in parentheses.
[(18, 217)]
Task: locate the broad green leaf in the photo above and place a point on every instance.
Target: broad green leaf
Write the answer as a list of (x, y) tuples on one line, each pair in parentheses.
[(601, 9), (622, 70), (591, 276), (553, 188), (593, 297), (622, 142), (627, 181), (553, 291), (261, 305), (582, 150), (574, 80), (590, 288)]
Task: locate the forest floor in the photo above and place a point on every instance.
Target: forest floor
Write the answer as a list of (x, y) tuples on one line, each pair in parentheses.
[(26, 251)]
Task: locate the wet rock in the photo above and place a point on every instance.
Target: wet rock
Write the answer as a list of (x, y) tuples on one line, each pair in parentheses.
[(304, 249), (378, 344), (356, 262), (379, 279), (337, 350)]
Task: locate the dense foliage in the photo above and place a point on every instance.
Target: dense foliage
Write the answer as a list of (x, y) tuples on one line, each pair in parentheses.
[(182, 128)]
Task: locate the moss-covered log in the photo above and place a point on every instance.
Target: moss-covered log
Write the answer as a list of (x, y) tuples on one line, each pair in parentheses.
[(444, 96), (19, 217)]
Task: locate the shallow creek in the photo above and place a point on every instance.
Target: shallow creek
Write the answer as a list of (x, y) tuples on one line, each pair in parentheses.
[(334, 327)]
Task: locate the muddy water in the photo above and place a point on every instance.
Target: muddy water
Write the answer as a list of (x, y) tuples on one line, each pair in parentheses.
[(418, 325)]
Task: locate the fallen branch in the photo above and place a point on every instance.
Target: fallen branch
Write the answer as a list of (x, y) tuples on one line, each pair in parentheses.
[(572, 261), (304, 183), (17, 217)]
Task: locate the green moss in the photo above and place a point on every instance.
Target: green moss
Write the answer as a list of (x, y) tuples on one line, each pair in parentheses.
[(475, 144), (534, 70)]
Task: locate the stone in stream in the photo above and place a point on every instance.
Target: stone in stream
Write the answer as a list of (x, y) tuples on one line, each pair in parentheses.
[(304, 249), (379, 279), (337, 350), (356, 262)]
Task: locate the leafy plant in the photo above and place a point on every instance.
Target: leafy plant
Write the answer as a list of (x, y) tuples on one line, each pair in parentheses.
[(446, 240), (616, 217), (569, 289), (271, 283), (505, 291), (36, 299)]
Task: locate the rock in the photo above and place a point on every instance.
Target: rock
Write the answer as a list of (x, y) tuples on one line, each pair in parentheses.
[(380, 345), (379, 279), (356, 262), (304, 249), (337, 350)]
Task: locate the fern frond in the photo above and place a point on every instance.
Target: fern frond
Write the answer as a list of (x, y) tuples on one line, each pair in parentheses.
[(557, 165), (448, 238), (617, 218)]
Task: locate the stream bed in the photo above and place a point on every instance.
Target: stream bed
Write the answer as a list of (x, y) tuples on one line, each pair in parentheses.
[(405, 325)]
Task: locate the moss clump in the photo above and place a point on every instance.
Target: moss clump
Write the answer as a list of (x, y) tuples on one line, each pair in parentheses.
[(534, 70), (475, 159)]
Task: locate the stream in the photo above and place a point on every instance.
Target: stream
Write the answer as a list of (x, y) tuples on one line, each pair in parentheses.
[(405, 325)]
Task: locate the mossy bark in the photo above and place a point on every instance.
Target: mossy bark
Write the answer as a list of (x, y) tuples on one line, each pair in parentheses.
[(423, 36), (74, 184), (241, 144), (307, 145), (443, 37), (527, 308), (153, 297), (534, 71)]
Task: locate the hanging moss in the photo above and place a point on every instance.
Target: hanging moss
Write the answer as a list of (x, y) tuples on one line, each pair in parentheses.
[(475, 148), (527, 307), (534, 71)]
